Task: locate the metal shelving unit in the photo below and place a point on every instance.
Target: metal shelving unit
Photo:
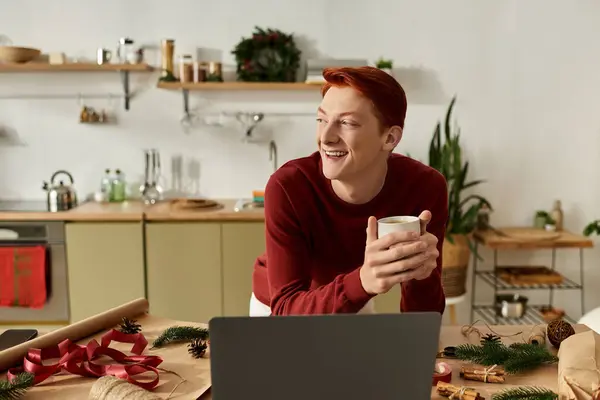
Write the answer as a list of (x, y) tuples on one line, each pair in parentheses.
[(533, 316)]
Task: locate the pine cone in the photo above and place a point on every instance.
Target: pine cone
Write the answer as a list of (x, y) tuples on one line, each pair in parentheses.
[(490, 338), (129, 326), (197, 348)]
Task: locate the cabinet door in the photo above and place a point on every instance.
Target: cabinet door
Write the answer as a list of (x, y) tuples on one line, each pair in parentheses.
[(242, 243), (184, 270), (105, 264), (388, 303)]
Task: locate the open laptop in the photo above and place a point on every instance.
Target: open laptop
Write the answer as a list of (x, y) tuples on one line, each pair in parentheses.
[(343, 356)]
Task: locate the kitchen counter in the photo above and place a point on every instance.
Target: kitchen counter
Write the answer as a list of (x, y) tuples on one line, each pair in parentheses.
[(138, 211), (66, 386)]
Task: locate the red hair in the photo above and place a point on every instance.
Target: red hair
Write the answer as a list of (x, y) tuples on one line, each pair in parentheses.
[(386, 94)]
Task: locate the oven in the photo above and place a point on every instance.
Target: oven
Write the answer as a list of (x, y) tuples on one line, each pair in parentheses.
[(50, 235)]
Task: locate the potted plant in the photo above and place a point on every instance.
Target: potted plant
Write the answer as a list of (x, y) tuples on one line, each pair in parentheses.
[(592, 228), (542, 218), (445, 155), (385, 65)]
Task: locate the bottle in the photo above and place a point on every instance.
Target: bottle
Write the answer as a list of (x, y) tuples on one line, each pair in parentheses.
[(105, 186), (118, 187), (557, 215)]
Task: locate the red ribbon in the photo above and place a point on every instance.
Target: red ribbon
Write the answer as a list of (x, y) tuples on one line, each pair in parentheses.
[(78, 360)]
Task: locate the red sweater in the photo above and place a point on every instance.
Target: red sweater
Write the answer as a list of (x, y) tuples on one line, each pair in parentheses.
[(315, 241)]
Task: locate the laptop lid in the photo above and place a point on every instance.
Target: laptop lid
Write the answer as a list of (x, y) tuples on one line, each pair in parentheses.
[(342, 356)]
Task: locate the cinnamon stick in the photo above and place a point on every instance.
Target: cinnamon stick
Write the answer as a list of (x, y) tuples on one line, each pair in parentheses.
[(482, 378), (493, 374), (457, 392)]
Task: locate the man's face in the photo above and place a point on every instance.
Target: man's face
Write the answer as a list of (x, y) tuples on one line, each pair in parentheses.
[(349, 135)]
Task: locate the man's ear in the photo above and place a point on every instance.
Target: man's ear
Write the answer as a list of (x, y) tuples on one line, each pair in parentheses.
[(392, 137)]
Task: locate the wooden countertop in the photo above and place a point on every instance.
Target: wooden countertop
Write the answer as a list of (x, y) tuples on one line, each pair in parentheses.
[(67, 386), (138, 211)]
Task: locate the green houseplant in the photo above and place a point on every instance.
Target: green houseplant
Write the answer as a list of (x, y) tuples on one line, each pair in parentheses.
[(445, 155), (383, 63), (592, 228)]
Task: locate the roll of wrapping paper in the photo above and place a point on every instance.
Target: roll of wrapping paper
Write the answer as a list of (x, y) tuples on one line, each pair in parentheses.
[(442, 373), (77, 331)]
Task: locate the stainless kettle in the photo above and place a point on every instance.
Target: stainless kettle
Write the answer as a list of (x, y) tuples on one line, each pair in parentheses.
[(61, 197)]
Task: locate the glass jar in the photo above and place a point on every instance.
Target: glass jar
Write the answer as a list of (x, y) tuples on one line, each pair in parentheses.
[(186, 68), (168, 50), (126, 51)]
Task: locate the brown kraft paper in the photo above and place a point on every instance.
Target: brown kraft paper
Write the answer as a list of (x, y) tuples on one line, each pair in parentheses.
[(579, 367), (77, 331)]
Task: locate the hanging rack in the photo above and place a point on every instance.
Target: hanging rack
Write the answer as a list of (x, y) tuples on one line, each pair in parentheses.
[(77, 96)]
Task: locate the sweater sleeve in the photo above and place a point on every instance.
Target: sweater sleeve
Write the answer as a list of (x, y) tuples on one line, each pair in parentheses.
[(428, 294), (288, 265)]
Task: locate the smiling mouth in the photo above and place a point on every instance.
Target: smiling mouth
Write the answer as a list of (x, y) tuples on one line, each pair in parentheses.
[(335, 154)]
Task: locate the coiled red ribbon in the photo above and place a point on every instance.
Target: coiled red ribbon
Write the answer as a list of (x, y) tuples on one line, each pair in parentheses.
[(79, 360)]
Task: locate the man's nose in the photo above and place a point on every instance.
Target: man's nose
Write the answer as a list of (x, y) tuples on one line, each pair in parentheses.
[(329, 134)]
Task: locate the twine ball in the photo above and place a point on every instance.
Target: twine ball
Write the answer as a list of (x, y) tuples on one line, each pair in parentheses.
[(558, 330), (112, 388), (538, 336)]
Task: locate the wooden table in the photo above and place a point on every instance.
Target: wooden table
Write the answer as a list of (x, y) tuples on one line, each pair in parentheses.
[(197, 372)]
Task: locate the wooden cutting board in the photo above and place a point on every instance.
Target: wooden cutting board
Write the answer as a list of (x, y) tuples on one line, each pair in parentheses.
[(193, 204)]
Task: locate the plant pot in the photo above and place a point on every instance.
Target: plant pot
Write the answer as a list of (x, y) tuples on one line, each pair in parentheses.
[(455, 263), (539, 222)]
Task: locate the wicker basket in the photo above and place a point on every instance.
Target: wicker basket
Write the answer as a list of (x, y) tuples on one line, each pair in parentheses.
[(455, 264)]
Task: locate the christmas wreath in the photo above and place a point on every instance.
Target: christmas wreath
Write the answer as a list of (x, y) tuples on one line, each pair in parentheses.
[(268, 56)]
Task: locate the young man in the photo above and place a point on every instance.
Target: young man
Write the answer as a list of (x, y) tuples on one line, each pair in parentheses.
[(320, 259)]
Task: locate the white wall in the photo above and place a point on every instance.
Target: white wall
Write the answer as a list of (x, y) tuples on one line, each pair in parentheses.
[(526, 74)]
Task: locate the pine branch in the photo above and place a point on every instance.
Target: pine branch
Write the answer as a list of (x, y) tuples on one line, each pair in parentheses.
[(489, 353), (527, 357), (17, 387), (176, 334), (515, 358), (525, 393)]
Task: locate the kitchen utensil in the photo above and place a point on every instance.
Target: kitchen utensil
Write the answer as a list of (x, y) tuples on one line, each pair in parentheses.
[(103, 56), (511, 305), (14, 54), (249, 121), (60, 197), (126, 51), (273, 154), (150, 190)]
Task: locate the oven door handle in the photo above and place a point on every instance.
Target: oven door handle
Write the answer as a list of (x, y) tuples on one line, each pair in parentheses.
[(8, 234)]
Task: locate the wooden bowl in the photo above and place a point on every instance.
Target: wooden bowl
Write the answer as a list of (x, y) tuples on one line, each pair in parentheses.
[(13, 54)]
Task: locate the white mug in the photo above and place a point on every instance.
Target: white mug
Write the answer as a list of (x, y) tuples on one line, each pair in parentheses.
[(398, 224)]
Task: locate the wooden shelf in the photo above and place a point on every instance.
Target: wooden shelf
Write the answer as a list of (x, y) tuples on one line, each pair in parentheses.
[(74, 67), (565, 239), (186, 87), (123, 69), (213, 86)]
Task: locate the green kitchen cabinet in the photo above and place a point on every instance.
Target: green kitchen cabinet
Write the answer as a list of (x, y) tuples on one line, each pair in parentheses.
[(242, 243), (183, 270), (105, 264)]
